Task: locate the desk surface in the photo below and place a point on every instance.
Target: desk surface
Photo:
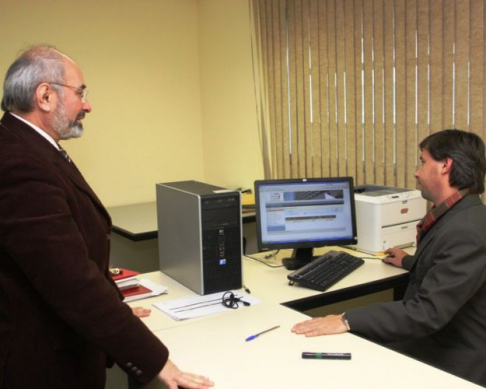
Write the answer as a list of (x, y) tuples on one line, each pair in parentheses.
[(138, 222), (215, 346), (217, 349), (270, 285)]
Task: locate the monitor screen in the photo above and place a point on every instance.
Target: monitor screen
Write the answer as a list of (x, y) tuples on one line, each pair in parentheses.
[(303, 214)]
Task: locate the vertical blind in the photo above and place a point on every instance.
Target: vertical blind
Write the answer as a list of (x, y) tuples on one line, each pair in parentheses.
[(350, 87)]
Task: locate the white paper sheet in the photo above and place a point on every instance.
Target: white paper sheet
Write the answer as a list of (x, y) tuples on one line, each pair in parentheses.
[(187, 308)]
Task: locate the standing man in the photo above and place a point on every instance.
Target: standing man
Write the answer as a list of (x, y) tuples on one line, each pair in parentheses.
[(442, 318), (61, 316)]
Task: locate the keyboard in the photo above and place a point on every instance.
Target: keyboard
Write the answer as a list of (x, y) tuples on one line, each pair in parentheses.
[(325, 271)]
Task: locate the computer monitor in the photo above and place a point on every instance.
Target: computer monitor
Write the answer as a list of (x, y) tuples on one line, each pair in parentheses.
[(303, 214)]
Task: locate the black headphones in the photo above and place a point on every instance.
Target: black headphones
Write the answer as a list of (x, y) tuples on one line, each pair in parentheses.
[(229, 300)]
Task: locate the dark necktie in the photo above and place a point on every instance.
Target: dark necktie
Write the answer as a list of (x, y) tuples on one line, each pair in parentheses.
[(64, 154)]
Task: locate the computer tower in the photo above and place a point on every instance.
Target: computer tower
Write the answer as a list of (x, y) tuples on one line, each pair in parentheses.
[(199, 235)]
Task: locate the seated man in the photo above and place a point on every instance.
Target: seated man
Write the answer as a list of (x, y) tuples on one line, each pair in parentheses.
[(442, 317)]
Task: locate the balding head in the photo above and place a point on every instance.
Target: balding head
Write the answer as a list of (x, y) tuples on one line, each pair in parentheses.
[(34, 66)]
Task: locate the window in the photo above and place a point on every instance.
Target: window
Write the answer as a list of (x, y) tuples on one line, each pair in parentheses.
[(350, 87)]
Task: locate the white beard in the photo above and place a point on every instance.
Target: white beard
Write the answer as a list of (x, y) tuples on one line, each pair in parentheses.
[(64, 128)]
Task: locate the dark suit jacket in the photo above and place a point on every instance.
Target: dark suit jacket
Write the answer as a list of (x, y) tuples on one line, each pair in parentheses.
[(442, 318), (60, 313)]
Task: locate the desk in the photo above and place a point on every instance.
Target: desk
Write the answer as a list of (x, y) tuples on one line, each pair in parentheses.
[(373, 276), (215, 346), (271, 286), (134, 243), (138, 222)]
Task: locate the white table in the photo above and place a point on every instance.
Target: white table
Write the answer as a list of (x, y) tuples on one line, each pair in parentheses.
[(215, 346)]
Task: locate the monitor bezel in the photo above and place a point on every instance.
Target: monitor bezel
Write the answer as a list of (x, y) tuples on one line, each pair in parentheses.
[(304, 244)]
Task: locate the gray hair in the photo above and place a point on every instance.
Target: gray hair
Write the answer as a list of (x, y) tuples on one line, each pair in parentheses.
[(36, 65)]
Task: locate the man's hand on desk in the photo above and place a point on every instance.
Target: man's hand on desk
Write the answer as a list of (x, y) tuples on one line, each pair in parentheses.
[(141, 312), (394, 256), (173, 378), (328, 325)]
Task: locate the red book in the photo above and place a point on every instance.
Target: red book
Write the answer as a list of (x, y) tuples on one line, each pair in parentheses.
[(124, 274), (136, 293)]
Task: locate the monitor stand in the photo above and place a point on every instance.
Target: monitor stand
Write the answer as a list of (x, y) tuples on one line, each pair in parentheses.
[(299, 258)]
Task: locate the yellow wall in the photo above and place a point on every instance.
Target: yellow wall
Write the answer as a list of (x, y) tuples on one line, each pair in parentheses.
[(231, 148), (161, 112)]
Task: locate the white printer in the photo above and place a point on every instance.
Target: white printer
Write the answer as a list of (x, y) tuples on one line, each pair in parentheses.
[(387, 217)]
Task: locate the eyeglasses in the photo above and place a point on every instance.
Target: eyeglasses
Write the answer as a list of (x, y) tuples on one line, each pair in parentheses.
[(81, 91)]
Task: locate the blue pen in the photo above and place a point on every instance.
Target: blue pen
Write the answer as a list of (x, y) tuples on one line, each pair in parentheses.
[(260, 333)]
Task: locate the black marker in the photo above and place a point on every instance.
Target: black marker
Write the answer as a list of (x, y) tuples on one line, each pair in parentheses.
[(307, 355)]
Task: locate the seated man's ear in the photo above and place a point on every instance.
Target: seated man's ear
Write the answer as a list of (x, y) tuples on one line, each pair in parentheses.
[(447, 165)]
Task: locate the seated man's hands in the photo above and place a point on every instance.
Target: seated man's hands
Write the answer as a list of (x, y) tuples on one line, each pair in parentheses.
[(394, 256), (331, 324)]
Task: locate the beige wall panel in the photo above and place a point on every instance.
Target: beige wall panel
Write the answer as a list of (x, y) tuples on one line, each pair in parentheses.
[(360, 139), (324, 88), (280, 90), (308, 136), (423, 76), (436, 65), (390, 140), (411, 85), (368, 92), (340, 103), (332, 69), (378, 44), (463, 44), (448, 34), (316, 124), (301, 63), (478, 69), (401, 129), (271, 77), (141, 65), (285, 103), (350, 67), (232, 155)]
